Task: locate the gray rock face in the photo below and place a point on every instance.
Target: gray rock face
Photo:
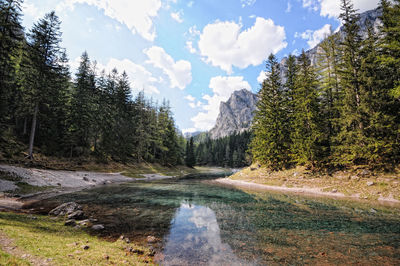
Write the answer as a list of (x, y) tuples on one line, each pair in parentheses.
[(235, 115)]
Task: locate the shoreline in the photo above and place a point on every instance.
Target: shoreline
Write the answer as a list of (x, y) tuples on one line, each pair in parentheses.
[(307, 191), (57, 182)]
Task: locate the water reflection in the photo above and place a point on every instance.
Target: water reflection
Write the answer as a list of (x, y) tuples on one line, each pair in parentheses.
[(195, 239)]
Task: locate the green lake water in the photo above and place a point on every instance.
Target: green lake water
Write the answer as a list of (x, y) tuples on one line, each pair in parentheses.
[(197, 222)]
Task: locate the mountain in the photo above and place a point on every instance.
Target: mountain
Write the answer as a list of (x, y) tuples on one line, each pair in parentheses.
[(235, 115), (189, 135)]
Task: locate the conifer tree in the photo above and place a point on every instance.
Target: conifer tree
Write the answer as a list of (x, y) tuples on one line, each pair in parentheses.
[(47, 61), (307, 133), (190, 157), (84, 107), (390, 44), (270, 125), (351, 138), (329, 67), (11, 42)]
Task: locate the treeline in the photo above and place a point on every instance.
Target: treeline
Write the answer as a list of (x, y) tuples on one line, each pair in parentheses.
[(230, 151), (343, 112), (93, 114)]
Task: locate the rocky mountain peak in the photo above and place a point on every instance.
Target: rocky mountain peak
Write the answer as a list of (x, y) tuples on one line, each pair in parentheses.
[(235, 115)]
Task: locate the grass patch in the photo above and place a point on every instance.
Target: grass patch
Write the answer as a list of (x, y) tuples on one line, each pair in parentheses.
[(47, 238), (9, 260)]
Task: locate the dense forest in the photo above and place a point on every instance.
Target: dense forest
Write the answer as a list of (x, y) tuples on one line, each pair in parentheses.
[(343, 112), (42, 109), (230, 151)]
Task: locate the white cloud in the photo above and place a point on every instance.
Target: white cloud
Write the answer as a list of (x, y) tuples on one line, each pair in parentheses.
[(247, 2), (311, 4), (139, 76), (224, 45), (222, 88), (190, 48), (190, 98), (30, 9), (262, 76), (137, 15), (315, 37), (190, 4), (189, 130), (331, 8), (289, 8), (177, 16), (179, 72)]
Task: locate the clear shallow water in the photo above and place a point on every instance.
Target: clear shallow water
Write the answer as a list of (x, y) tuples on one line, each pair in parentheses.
[(199, 223)]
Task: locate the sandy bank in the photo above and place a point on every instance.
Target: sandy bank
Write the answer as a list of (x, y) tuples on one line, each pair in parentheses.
[(296, 190)]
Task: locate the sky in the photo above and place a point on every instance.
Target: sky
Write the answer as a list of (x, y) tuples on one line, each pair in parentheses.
[(194, 53)]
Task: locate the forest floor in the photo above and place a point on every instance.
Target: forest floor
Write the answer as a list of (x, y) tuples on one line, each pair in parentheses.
[(354, 183)]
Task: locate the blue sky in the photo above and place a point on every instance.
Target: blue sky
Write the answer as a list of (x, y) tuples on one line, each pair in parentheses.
[(194, 53)]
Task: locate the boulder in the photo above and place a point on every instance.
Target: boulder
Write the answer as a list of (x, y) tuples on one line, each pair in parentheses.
[(65, 209), (86, 223), (77, 215), (70, 222), (98, 227), (151, 239)]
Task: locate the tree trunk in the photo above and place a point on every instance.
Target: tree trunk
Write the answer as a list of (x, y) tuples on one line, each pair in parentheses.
[(33, 131), (25, 125)]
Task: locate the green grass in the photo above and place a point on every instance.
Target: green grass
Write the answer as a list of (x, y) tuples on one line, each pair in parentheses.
[(9, 260), (47, 238)]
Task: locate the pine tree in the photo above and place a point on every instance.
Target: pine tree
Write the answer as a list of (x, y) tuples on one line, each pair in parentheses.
[(11, 43), (83, 112), (270, 143), (390, 44), (47, 59), (331, 94), (190, 157), (351, 138), (307, 133), (380, 110)]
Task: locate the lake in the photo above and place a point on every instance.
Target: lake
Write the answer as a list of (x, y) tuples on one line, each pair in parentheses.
[(197, 222)]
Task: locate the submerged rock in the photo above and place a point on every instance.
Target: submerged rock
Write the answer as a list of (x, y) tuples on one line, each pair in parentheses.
[(65, 209)]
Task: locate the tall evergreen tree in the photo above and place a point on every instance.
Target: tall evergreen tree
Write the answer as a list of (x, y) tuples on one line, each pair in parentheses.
[(190, 157), (351, 138), (84, 107), (390, 44), (307, 135), (270, 125), (11, 43), (47, 61), (331, 95)]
